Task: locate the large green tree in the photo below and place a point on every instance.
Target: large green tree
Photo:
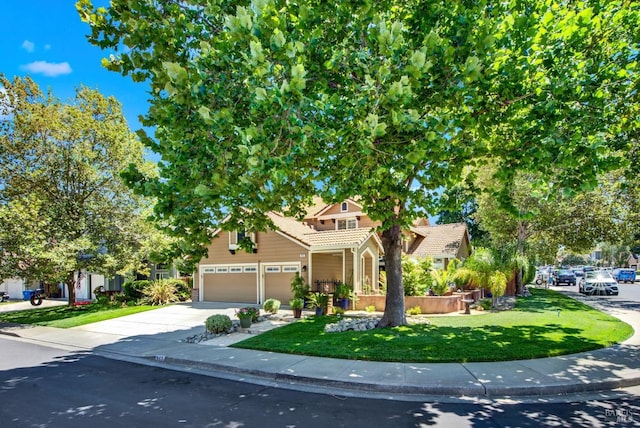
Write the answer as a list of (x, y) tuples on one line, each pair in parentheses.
[(63, 205), (259, 105)]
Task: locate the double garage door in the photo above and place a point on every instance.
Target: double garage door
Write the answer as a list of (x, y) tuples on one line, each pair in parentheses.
[(250, 283)]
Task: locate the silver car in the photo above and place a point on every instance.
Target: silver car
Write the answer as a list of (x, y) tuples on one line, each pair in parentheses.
[(598, 282)]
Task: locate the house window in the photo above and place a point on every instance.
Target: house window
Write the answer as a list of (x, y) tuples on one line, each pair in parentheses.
[(350, 223), (162, 275), (235, 269), (237, 236), (344, 207)]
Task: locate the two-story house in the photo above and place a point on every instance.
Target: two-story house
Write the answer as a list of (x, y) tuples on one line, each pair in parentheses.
[(334, 242)]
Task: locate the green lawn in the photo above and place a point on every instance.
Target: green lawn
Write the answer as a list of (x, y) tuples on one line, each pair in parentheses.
[(534, 329), (66, 317)]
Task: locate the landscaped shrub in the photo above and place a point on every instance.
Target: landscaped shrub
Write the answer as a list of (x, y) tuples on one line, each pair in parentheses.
[(218, 324), (271, 305), (370, 308), (299, 288), (133, 289), (411, 277), (416, 277), (485, 304), (183, 290), (160, 292), (529, 273), (414, 311), (337, 310)]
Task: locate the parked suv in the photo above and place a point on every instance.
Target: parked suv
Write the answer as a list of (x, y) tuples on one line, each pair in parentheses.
[(598, 282), (564, 276), (624, 275)]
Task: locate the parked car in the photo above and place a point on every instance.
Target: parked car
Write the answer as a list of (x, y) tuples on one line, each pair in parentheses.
[(598, 282), (578, 272), (564, 276), (624, 275)]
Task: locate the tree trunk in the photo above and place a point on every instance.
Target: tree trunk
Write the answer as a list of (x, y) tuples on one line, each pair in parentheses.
[(394, 311), (71, 288), (521, 251)]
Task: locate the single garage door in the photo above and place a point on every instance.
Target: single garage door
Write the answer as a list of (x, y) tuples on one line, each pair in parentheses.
[(277, 281), (237, 284)]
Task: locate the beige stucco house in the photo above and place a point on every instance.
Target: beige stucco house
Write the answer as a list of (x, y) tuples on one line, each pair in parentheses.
[(334, 242)]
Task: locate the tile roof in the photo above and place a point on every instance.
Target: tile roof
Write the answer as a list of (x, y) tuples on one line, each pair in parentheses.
[(317, 205), (314, 238), (438, 240)]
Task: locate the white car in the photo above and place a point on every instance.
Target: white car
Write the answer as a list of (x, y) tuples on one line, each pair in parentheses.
[(598, 282)]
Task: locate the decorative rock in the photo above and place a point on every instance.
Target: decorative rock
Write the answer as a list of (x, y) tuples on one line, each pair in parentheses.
[(356, 324)]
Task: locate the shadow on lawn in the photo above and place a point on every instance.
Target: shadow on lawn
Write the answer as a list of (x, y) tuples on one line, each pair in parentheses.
[(426, 343), (490, 343)]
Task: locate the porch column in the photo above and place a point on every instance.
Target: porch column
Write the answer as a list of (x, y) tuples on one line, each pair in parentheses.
[(356, 271), (309, 268)]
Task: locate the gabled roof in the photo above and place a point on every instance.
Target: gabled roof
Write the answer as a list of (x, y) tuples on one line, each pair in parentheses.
[(316, 206), (321, 207), (443, 240), (315, 239)]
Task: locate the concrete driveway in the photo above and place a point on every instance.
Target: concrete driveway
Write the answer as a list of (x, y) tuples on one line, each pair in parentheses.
[(21, 305)]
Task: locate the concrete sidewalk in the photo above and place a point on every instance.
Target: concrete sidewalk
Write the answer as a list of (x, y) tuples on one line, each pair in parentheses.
[(158, 338)]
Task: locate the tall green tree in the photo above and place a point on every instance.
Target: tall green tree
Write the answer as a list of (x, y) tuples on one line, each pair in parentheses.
[(63, 205), (259, 105), (459, 205)]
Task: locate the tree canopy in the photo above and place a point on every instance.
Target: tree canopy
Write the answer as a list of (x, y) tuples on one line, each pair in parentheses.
[(63, 205), (259, 105)]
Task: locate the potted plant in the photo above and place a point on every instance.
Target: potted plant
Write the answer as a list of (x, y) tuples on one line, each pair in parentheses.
[(299, 288), (344, 294), (296, 305), (246, 316), (319, 302)]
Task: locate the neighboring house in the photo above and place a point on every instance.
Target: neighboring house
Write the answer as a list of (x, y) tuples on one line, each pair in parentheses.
[(632, 261), (87, 283), (334, 242), (14, 287), (443, 242)]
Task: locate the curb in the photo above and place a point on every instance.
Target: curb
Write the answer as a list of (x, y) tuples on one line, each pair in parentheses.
[(479, 390)]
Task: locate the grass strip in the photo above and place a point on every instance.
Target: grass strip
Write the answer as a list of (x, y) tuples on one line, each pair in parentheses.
[(545, 324), (67, 317)]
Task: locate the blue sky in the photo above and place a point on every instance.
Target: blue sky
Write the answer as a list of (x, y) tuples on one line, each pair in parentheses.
[(45, 39)]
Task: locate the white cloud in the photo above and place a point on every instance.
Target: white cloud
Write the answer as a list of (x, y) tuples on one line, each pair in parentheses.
[(28, 46), (48, 68)]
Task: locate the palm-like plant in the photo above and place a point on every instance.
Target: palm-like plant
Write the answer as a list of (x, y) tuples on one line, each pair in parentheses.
[(484, 271), (442, 279)]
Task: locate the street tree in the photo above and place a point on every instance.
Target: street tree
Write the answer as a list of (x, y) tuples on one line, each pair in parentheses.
[(63, 206), (538, 222), (260, 105)]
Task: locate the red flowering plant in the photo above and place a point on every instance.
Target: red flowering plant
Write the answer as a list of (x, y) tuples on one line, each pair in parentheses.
[(248, 312)]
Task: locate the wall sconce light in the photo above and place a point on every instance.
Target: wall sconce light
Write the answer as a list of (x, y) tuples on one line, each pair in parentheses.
[(304, 268), (232, 251)]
